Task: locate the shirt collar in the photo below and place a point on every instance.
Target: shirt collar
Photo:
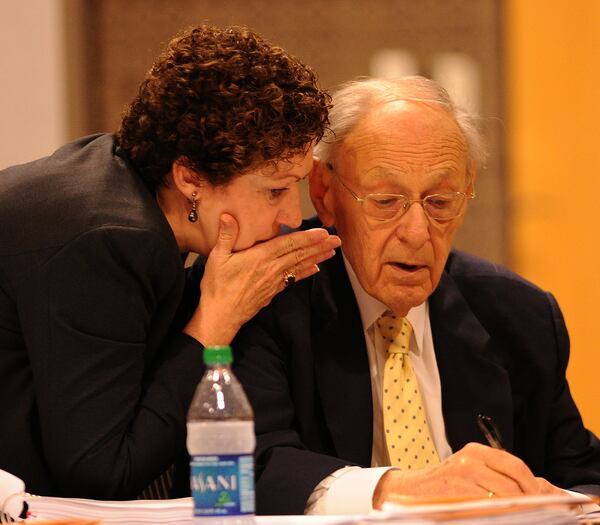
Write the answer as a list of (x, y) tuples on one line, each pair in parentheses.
[(372, 309)]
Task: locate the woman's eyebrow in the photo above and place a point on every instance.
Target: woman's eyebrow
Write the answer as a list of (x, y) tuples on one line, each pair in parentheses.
[(297, 177), (286, 174), (302, 177)]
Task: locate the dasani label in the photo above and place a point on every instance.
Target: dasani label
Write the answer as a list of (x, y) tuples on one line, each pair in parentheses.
[(222, 485)]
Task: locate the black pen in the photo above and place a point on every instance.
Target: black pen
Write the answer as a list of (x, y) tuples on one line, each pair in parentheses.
[(490, 431)]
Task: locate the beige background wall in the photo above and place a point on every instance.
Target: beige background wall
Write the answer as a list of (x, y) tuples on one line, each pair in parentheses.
[(553, 144), (32, 79)]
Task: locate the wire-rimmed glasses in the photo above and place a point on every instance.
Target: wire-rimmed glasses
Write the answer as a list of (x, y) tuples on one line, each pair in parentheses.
[(441, 207)]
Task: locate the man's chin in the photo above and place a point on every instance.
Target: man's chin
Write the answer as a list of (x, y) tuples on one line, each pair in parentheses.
[(403, 300)]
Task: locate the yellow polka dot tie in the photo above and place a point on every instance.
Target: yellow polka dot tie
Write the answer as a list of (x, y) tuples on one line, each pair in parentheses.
[(407, 436)]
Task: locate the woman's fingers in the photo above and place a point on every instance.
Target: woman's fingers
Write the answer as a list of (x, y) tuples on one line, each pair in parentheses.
[(228, 232), (306, 267), (306, 251), (292, 245), (299, 273)]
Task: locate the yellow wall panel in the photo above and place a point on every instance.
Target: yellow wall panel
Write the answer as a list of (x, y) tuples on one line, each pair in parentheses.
[(553, 145)]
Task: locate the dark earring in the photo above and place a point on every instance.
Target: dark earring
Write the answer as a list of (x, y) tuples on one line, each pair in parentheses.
[(193, 215)]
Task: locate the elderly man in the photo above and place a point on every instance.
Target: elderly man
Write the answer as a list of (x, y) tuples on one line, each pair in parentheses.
[(387, 357)]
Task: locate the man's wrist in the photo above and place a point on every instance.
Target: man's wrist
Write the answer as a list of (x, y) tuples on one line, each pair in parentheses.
[(383, 487), (348, 491)]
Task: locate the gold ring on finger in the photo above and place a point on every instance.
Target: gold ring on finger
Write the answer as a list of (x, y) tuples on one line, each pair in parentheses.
[(490, 494), (289, 278)]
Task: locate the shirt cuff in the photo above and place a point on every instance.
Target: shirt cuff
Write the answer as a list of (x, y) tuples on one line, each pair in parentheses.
[(584, 508), (347, 491)]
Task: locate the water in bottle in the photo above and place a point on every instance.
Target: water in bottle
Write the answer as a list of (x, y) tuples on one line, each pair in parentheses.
[(220, 442)]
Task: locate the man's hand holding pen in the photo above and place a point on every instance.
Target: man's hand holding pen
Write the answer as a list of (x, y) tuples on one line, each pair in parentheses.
[(490, 431), (475, 471)]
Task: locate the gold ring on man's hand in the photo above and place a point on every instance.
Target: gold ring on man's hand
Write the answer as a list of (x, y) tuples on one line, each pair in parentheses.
[(289, 278), (490, 494)]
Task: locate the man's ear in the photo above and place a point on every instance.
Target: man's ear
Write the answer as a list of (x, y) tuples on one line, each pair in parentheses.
[(320, 191)]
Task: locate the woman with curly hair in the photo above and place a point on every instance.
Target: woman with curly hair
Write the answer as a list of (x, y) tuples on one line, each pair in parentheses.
[(96, 371)]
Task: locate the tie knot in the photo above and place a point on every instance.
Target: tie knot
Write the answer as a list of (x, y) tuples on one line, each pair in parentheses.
[(396, 331)]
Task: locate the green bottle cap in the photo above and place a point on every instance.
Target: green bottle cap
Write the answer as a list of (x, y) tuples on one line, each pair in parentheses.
[(216, 355)]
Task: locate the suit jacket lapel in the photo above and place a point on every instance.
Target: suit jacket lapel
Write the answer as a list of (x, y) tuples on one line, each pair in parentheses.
[(342, 364), (472, 377)]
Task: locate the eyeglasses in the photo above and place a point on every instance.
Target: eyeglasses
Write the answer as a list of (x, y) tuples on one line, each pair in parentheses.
[(441, 207)]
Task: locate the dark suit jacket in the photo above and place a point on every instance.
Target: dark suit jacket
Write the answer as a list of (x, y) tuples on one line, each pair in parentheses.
[(94, 390), (501, 347)]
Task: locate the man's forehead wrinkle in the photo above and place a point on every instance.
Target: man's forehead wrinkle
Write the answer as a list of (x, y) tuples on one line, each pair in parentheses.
[(406, 152), (457, 142), (388, 144), (375, 138)]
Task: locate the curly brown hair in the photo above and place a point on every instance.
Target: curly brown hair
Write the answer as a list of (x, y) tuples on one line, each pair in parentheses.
[(221, 101)]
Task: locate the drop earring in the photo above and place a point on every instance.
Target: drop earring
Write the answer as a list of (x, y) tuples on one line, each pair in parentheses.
[(193, 215)]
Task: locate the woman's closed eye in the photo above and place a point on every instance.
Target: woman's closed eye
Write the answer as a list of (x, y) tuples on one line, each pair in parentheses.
[(276, 193)]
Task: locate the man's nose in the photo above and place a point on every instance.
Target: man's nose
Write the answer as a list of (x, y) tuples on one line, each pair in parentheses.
[(413, 226)]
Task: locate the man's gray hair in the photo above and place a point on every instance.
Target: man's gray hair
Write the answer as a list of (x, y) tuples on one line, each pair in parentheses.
[(354, 99)]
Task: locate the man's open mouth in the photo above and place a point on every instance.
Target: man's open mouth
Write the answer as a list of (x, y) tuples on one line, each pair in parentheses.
[(408, 267)]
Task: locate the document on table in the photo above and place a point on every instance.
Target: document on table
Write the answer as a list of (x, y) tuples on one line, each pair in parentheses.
[(550, 509), (172, 512)]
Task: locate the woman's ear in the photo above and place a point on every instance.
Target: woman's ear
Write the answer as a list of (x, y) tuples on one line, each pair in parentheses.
[(185, 179), (320, 191)]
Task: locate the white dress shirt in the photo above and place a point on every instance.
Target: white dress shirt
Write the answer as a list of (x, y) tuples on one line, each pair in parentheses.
[(350, 490)]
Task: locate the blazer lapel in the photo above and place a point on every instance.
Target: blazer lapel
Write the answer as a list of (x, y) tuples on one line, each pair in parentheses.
[(342, 364), (471, 374)]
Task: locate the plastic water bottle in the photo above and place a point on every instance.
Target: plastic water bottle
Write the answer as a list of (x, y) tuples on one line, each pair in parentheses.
[(220, 442)]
